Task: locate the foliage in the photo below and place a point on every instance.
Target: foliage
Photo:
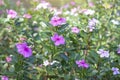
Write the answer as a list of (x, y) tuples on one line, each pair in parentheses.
[(96, 41)]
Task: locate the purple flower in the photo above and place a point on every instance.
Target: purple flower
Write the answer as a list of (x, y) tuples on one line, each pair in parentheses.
[(82, 63), (91, 28), (91, 24), (118, 50), (58, 40), (11, 14), (56, 21), (103, 53), (4, 78), (115, 71), (24, 50), (28, 16), (75, 30)]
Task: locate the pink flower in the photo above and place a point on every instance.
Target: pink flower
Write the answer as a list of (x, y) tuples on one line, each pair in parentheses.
[(1, 2), (72, 3), (28, 16), (82, 63), (8, 59), (23, 49), (11, 14), (4, 78), (18, 3), (56, 21), (22, 38), (75, 30), (91, 4), (58, 40)]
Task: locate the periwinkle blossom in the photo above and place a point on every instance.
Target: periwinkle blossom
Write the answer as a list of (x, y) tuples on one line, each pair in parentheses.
[(115, 71), (75, 30), (11, 14), (58, 39), (57, 21), (8, 59), (4, 78), (89, 12), (18, 3), (72, 3), (82, 63), (28, 16), (92, 23), (91, 4), (24, 49), (43, 5), (1, 2), (103, 53)]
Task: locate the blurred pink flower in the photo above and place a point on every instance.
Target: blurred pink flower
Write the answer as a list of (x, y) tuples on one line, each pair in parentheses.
[(18, 2), (23, 49), (1, 2), (75, 30), (82, 63), (91, 4), (4, 78), (8, 59), (11, 13), (56, 21), (72, 3), (58, 40), (28, 16), (22, 38)]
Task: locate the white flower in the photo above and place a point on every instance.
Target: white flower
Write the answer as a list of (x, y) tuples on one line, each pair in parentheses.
[(89, 12), (103, 53), (115, 22), (46, 63), (43, 5)]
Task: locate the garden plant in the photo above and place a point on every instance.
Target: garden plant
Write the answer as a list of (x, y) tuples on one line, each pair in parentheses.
[(71, 42)]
